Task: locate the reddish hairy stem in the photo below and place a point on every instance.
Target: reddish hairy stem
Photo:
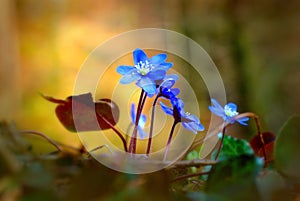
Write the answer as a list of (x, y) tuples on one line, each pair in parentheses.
[(257, 123), (221, 143), (151, 126), (170, 139), (116, 131), (132, 144)]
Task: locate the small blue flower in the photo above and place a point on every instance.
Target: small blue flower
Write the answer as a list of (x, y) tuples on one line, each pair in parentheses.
[(190, 122), (145, 71), (142, 121), (165, 87), (229, 111)]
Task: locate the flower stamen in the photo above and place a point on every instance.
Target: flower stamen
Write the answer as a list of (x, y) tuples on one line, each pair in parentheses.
[(143, 68), (229, 112)]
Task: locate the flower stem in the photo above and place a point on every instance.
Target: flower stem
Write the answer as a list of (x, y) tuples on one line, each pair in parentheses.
[(115, 130), (43, 136), (221, 143), (257, 123), (170, 139), (151, 126), (132, 144)]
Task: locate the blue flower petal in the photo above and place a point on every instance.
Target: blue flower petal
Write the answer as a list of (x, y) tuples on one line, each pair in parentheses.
[(142, 133), (193, 126), (194, 119), (156, 74), (151, 95), (158, 59), (232, 106), (166, 109), (167, 93), (190, 118), (196, 122), (132, 113), (169, 81), (217, 109), (147, 85), (124, 69), (171, 77), (170, 93), (166, 65), (243, 120), (167, 84), (200, 127), (130, 77), (142, 121), (175, 91), (179, 104), (139, 55), (216, 104), (188, 127)]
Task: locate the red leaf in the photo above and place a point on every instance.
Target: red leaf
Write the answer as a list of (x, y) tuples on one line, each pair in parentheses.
[(257, 145), (81, 113)]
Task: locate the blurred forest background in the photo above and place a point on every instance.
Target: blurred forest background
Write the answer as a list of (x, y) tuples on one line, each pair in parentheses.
[(254, 44)]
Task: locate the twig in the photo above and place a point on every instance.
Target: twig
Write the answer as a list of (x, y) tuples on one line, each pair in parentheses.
[(43, 136), (192, 163), (100, 147), (68, 146), (189, 175)]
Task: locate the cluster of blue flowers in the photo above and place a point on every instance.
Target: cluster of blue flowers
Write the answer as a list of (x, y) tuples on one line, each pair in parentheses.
[(150, 75)]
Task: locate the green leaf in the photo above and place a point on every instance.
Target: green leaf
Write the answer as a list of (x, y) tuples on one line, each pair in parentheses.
[(192, 155), (287, 148), (234, 178), (233, 147)]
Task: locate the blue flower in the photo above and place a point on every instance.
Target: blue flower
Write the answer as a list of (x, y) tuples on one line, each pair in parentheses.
[(142, 121), (165, 87), (229, 111), (189, 121), (145, 71)]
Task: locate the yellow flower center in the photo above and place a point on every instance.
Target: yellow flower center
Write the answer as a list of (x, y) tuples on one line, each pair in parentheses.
[(143, 68)]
